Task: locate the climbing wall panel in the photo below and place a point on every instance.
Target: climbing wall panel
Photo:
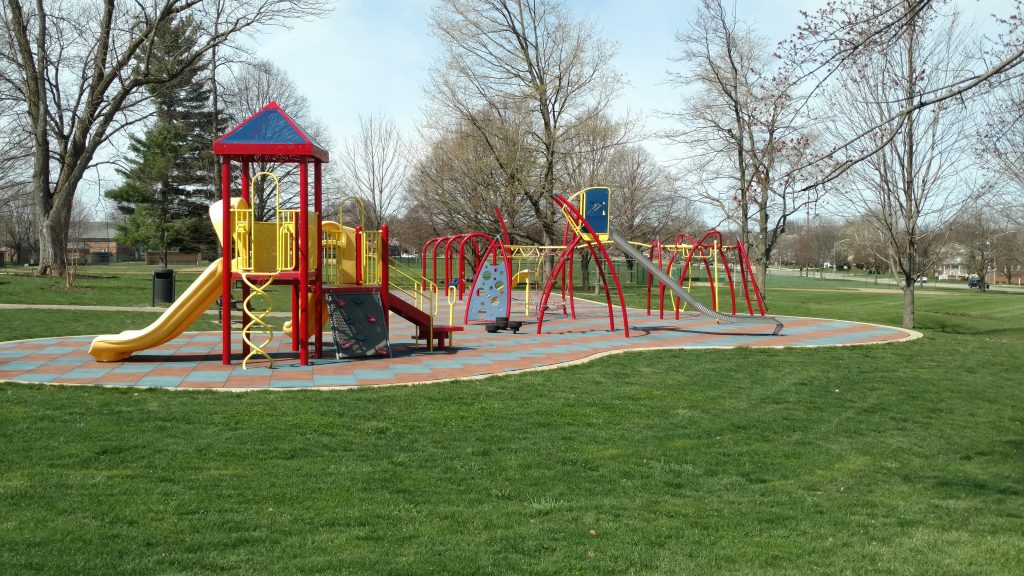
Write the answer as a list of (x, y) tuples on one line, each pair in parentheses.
[(358, 324), (489, 297)]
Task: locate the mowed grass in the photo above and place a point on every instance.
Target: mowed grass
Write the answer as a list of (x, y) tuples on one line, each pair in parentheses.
[(903, 459), (93, 287)]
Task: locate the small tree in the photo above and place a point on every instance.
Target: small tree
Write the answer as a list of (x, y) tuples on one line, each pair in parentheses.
[(910, 182), (18, 221)]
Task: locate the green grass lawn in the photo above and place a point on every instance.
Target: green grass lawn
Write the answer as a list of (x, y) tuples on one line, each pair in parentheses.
[(903, 458)]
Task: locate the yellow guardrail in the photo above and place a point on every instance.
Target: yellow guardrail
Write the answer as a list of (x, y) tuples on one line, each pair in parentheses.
[(420, 291)]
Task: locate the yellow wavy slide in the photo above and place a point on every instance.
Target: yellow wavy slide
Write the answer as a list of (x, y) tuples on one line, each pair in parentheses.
[(199, 296), (196, 299)]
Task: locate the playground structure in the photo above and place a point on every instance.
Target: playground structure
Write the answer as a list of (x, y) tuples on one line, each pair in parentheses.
[(667, 266), (316, 260), (343, 276)]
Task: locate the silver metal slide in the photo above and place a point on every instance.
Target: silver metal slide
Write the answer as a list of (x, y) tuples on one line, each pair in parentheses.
[(667, 280)]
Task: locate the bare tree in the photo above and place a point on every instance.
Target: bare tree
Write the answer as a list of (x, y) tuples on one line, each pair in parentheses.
[(990, 243), (251, 85), (464, 176), (375, 167), (1000, 141), (841, 35), (81, 69), (510, 65), (746, 139), (911, 186), (15, 139), (817, 246)]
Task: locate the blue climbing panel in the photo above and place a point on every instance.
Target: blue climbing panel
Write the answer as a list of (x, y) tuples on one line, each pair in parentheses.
[(489, 297)]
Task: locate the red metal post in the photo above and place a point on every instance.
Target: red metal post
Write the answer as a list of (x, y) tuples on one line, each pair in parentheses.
[(542, 302), (303, 254), (295, 315), (227, 253), (385, 285), (574, 213), (318, 290)]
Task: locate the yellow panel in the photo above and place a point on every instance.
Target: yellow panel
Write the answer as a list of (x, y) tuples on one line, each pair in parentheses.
[(311, 223), (264, 247), (347, 255)]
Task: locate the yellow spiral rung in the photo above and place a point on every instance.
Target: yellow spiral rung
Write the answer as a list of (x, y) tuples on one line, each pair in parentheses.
[(256, 324)]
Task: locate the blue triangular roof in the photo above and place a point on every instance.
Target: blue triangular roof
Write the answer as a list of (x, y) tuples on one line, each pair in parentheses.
[(268, 134)]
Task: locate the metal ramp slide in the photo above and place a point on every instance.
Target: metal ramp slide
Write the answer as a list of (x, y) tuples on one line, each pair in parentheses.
[(667, 280)]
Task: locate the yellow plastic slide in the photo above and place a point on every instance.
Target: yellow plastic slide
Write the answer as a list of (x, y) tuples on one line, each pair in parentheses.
[(175, 320)]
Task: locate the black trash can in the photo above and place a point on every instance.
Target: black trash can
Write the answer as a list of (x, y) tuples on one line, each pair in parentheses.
[(163, 286)]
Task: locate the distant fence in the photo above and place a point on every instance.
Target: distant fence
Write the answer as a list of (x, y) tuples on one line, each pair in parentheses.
[(174, 258)]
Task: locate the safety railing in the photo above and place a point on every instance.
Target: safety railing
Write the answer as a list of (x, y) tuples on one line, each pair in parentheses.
[(287, 230), (420, 291), (370, 257), (241, 240), (332, 245)]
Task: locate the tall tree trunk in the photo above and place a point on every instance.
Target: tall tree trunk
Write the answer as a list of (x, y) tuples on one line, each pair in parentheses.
[(908, 305)]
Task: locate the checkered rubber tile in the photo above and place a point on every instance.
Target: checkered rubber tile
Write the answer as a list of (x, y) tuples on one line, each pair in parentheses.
[(193, 359)]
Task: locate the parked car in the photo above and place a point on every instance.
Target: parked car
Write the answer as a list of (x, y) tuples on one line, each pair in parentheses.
[(922, 280), (976, 283)]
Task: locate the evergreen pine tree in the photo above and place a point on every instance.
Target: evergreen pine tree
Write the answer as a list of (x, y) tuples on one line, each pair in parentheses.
[(167, 185)]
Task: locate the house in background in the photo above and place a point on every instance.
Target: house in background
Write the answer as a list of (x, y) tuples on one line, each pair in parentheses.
[(93, 243), (953, 263)]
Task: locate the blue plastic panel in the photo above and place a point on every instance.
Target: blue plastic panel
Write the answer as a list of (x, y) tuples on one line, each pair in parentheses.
[(488, 298), (596, 210)]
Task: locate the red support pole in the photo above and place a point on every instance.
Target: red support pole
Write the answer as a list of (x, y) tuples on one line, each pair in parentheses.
[(542, 303), (436, 246), (245, 182), (226, 255), (650, 277), (575, 214), (660, 292), (295, 315), (750, 271), (572, 293), (423, 259), (303, 254), (504, 230), (318, 289), (385, 279)]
